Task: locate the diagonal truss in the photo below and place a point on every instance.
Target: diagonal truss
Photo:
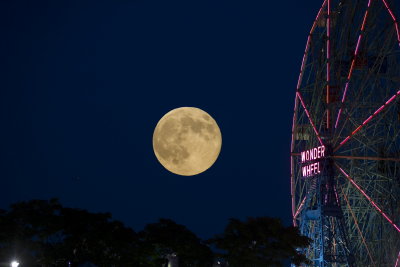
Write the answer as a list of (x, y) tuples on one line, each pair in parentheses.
[(368, 120), (309, 117), (351, 180), (357, 226)]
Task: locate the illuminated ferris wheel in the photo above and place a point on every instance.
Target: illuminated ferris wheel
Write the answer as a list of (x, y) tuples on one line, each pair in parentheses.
[(345, 151)]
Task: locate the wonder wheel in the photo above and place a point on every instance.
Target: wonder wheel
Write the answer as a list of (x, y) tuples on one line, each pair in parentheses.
[(345, 151)]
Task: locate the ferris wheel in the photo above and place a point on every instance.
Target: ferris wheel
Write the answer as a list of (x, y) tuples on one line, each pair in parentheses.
[(345, 150)]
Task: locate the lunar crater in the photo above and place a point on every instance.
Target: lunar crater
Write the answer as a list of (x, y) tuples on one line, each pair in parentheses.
[(187, 141)]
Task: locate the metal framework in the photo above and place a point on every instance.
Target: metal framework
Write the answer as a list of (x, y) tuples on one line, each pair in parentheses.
[(348, 101)]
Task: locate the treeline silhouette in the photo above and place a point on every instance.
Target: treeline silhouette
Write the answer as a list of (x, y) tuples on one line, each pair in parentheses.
[(46, 234)]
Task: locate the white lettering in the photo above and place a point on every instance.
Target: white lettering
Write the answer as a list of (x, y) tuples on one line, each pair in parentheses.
[(316, 166), (304, 169), (313, 154)]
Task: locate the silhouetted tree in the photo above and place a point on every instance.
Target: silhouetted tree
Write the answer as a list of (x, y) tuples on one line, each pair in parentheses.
[(260, 242), (166, 238), (43, 233)]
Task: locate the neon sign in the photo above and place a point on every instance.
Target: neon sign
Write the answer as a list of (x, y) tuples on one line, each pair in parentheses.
[(309, 156)]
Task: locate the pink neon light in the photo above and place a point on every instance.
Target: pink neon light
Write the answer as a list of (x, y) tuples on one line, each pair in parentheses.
[(345, 91), (390, 99), (297, 88), (364, 21), (369, 199), (379, 110), (351, 69), (309, 117), (308, 45), (394, 20), (337, 119), (294, 121), (345, 140), (369, 118), (398, 260), (353, 63), (303, 62), (316, 19), (328, 30), (291, 159), (356, 130), (390, 11), (358, 45)]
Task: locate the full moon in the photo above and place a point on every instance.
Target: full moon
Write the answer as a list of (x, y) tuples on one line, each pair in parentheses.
[(187, 141)]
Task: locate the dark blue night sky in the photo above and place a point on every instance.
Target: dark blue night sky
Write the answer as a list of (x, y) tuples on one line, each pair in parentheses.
[(83, 84)]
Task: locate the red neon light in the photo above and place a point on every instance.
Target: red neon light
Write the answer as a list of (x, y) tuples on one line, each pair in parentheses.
[(309, 117), (369, 199), (369, 118)]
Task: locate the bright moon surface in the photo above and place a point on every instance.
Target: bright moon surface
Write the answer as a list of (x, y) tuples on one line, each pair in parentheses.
[(187, 141)]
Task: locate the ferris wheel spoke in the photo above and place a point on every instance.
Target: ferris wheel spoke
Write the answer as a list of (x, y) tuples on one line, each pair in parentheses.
[(351, 180), (350, 73), (357, 226), (379, 110), (394, 19), (309, 118)]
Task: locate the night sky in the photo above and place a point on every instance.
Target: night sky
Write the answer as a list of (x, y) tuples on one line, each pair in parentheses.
[(83, 85)]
